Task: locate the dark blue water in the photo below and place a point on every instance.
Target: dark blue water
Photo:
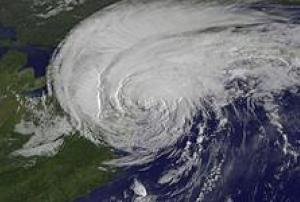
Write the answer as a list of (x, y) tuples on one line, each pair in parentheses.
[(7, 33), (2, 51), (38, 57), (290, 11)]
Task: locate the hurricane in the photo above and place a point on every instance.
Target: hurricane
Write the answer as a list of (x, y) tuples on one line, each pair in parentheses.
[(191, 95)]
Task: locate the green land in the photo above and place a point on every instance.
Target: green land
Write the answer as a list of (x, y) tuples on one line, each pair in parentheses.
[(32, 29), (73, 172)]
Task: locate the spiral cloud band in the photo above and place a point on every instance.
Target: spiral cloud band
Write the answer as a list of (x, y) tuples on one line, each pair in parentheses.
[(135, 74)]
